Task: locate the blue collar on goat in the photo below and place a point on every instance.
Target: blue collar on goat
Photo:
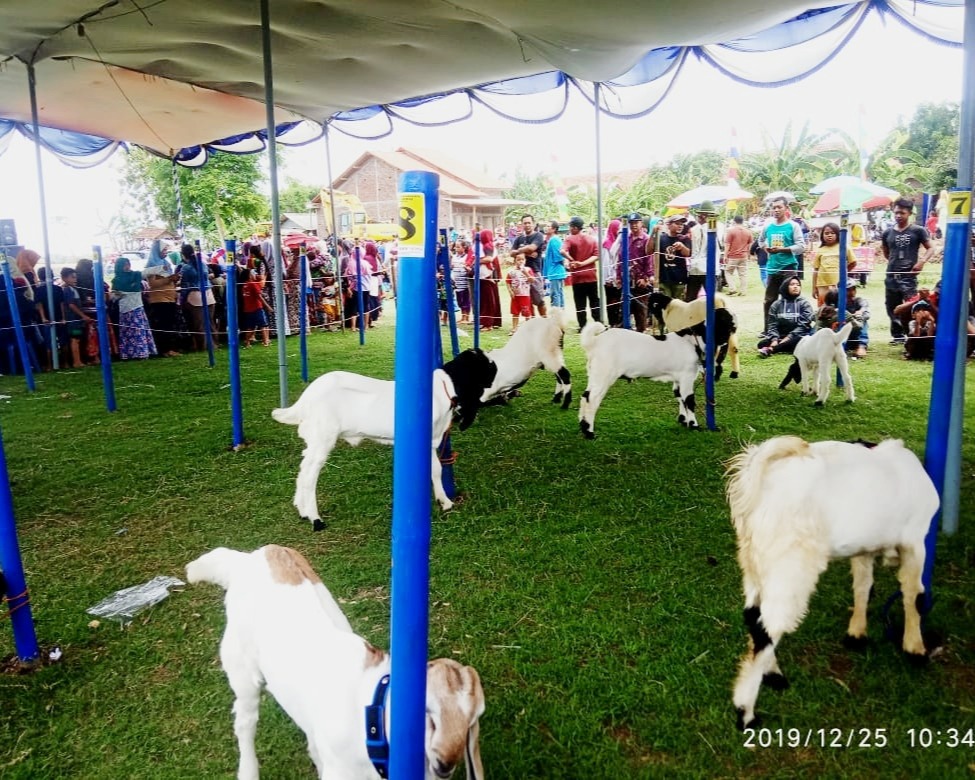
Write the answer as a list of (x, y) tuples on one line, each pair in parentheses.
[(377, 743)]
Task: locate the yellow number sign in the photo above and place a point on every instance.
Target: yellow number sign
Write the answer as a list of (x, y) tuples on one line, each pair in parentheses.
[(412, 224), (959, 206)]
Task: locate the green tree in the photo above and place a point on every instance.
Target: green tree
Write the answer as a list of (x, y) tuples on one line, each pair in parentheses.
[(295, 196), (222, 197), (924, 154), (792, 165), (537, 191)]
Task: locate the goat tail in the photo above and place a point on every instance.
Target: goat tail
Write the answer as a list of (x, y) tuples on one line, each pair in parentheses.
[(589, 333), (746, 471), (217, 566), (289, 415)]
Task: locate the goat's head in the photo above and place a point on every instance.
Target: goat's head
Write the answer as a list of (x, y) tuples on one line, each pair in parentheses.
[(455, 702), (472, 372), (656, 303)]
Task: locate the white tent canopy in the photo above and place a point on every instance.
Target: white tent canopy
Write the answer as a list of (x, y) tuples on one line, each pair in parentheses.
[(174, 74)]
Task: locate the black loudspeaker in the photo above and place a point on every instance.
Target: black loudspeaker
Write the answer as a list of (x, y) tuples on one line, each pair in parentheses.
[(8, 232)]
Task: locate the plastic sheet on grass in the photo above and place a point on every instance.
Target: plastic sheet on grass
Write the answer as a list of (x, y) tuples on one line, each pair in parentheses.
[(125, 604)]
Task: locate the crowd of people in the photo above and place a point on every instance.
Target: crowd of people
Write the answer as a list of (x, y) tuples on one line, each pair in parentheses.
[(163, 309)]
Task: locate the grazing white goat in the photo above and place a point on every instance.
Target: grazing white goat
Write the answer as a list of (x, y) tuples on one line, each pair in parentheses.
[(611, 354), (679, 315), (343, 405), (795, 505), (814, 356), (285, 631), (536, 344)]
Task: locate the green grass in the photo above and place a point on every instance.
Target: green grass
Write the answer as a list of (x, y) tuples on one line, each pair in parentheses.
[(592, 583)]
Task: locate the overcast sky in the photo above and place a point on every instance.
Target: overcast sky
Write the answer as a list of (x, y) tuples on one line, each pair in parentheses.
[(865, 90)]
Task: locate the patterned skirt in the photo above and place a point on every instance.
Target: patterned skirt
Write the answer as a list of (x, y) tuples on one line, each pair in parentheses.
[(135, 338)]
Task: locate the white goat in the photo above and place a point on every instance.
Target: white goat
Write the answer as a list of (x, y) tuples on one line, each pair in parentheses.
[(611, 354), (783, 496), (343, 405), (285, 631), (679, 315), (817, 353), (536, 344)]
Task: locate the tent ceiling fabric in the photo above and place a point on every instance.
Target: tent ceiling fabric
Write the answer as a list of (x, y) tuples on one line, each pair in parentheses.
[(171, 74), (328, 56)]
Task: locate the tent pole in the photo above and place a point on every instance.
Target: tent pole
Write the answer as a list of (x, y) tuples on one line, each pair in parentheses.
[(281, 314), (951, 489), (600, 279), (339, 297), (49, 281)]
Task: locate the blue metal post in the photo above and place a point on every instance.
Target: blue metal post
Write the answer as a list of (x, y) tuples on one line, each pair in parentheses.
[(303, 315), (449, 288), (104, 350), (204, 285), (953, 293), (233, 349), (844, 275), (15, 318), (710, 289), (951, 493), (411, 475), (18, 601), (625, 274), (477, 291), (358, 295)]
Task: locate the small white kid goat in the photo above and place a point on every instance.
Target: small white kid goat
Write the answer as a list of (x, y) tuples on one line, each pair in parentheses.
[(679, 315), (615, 353), (783, 496), (286, 632), (814, 356), (352, 407), (536, 344)]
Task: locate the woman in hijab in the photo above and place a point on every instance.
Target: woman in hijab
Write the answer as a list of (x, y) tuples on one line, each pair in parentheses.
[(372, 275), (789, 319), (488, 274), (162, 308), (608, 257), (135, 339)]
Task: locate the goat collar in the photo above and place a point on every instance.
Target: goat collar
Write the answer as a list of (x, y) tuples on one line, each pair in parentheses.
[(377, 743)]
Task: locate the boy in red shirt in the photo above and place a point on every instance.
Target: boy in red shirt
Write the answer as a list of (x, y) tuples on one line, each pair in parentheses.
[(519, 286)]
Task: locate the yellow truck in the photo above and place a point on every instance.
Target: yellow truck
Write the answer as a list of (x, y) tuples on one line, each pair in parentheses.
[(353, 221)]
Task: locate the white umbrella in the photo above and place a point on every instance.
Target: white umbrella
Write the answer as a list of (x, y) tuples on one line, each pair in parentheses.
[(711, 192), (845, 180), (789, 197)]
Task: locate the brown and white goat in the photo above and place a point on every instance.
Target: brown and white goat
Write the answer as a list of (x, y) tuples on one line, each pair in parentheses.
[(286, 632), (679, 315), (795, 505)]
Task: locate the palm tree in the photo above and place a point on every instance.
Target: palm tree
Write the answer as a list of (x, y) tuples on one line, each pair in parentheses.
[(793, 166)]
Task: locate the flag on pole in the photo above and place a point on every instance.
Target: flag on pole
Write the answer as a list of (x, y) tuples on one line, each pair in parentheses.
[(733, 157)]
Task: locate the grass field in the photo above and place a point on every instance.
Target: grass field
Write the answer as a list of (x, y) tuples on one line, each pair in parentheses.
[(592, 583)]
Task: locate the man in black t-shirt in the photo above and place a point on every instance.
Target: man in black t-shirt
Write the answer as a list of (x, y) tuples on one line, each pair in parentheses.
[(675, 247), (901, 246), (529, 244)]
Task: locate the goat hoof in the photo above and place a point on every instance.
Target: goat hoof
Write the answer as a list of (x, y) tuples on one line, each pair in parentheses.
[(856, 643), (317, 525), (588, 434), (918, 660), (557, 398), (733, 374), (776, 681), (818, 403), (754, 723)]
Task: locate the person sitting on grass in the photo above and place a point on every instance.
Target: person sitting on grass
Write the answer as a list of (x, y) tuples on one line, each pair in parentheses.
[(789, 319), (856, 344)]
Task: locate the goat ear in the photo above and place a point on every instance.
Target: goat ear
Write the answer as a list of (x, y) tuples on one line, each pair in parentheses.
[(472, 756)]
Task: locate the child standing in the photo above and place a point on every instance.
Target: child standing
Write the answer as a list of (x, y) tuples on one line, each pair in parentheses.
[(461, 280), (74, 318), (255, 317), (519, 281)]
